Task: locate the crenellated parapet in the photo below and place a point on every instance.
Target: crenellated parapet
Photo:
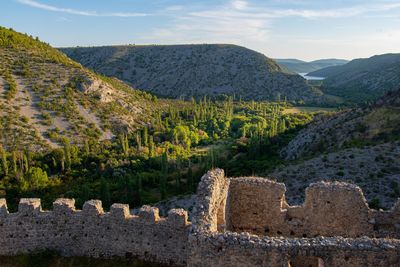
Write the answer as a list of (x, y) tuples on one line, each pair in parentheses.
[(94, 232), (242, 221)]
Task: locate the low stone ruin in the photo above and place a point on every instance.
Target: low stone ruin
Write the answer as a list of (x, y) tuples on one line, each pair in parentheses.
[(236, 222)]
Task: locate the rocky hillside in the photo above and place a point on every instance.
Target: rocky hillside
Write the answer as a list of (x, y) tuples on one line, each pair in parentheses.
[(46, 98), (355, 127), (375, 169), (362, 79), (300, 66), (358, 145), (183, 71)]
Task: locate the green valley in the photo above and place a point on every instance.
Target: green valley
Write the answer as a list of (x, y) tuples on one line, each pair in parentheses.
[(68, 132)]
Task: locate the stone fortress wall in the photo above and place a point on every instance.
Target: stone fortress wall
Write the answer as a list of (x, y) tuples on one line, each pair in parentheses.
[(261, 229), (258, 206), (93, 232), (236, 222)]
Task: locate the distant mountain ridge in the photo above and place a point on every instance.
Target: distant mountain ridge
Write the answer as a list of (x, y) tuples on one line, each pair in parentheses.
[(184, 71), (362, 79), (300, 66)]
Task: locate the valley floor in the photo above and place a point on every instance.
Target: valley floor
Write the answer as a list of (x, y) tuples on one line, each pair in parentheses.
[(293, 110)]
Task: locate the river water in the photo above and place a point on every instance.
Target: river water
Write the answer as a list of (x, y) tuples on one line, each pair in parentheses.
[(311, 77)]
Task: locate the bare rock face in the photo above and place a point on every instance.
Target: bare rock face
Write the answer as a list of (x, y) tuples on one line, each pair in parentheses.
[(97, 88), (183, 71)]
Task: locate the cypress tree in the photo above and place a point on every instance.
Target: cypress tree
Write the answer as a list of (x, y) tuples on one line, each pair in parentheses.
[(4, 161), (164, 171), (67, 155), (123, 139), (26, 163), (138, 141), (87, 148), (145, 137), (14, 162), (151, 147), (126, 141), (105, 192)]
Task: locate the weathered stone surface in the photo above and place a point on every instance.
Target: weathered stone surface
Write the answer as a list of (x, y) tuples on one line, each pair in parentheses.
[(29, 206), (64, 205), (148, 213), (178, 217), (120, 210), (236, 222), (258, 205), (93, 208), (93, 232)]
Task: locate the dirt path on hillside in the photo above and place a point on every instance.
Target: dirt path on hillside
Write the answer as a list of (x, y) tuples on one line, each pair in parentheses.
[(92, 118), (28, 108), (2, 87)]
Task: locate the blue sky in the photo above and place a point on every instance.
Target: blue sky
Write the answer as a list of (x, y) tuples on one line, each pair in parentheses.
[(304, 29)]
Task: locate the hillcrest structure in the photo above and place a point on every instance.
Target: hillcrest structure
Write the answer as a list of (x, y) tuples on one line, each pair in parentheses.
[(236, 222)]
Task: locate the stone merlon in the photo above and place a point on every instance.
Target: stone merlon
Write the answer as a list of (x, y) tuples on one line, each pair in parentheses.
[(242, 221)]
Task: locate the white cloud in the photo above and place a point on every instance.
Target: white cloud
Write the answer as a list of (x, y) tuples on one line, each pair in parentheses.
[(63, 19), (39, 5), (174, 8), (252, 25), (360, 45), (239, 4), (229, 23)]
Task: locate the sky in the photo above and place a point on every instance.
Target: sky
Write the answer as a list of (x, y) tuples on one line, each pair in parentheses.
[(302, 29)]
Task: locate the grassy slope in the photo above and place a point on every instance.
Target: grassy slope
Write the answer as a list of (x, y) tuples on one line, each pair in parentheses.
[(45, 97)]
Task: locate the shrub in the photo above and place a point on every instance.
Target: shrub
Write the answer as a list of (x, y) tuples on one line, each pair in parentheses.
[(374, 203), (36, 178), (340, 173)]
